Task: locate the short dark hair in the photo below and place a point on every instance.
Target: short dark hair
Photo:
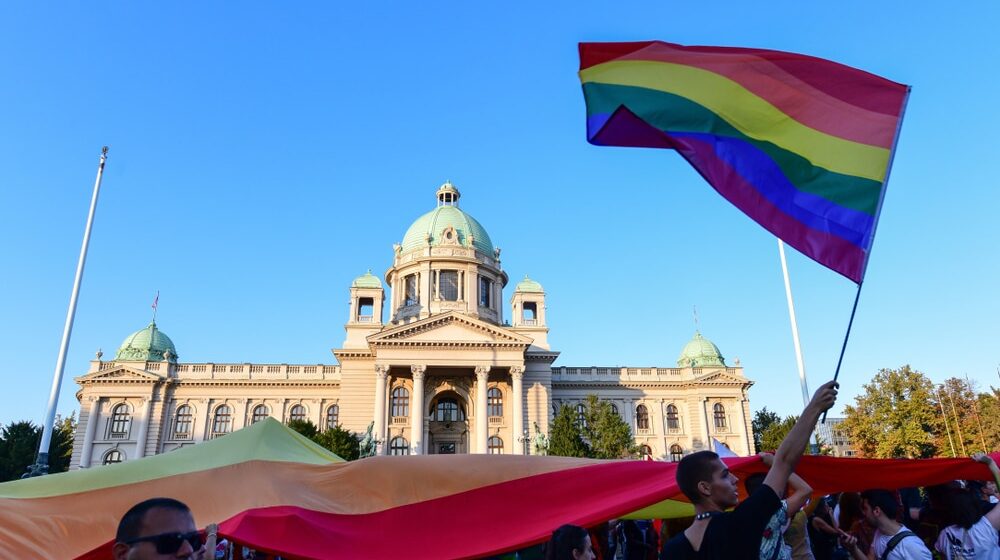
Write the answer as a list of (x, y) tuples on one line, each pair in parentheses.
[(963, 508), (695, 468), (753, 482), (564, 540), (131, 524), (885, 500)]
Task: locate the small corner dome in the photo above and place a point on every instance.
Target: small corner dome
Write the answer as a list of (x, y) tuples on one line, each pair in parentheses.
[(528, 286), (430, 228), (147, 345), (367, 280), (700, 352)]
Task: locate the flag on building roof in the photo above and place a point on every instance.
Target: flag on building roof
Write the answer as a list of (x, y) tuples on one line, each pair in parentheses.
[(800, 144)]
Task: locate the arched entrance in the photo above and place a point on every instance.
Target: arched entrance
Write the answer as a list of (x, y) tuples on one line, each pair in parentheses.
[(448, 428)]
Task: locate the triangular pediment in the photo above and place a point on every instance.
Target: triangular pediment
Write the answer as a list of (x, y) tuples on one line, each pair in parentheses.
[(720, 376), (449, 328), (120, 374)]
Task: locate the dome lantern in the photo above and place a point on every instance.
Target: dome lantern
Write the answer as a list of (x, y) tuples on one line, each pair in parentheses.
[(448, 195)]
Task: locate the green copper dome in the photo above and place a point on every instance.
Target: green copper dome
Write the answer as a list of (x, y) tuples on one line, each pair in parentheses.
[(147, 345), (700, 352), (367, 280), (528, 285), (434, 224)]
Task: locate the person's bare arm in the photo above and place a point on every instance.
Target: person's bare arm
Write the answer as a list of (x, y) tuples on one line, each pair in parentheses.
[(800, 488), (790, 451), (994, 514), (822, 525), (850, 543)]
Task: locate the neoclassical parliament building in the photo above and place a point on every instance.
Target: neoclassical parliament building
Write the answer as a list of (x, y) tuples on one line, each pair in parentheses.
[(435, 363)]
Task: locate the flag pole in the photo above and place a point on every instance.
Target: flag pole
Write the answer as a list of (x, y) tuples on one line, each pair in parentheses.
[(41, 465), (847, 335), (958, 424), (945, 417)]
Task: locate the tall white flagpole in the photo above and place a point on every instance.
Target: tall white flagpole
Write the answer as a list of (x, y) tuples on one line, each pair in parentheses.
[(795, 326), (41, 465)]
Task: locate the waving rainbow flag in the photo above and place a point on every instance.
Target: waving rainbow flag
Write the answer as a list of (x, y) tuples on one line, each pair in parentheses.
[(800, 144)]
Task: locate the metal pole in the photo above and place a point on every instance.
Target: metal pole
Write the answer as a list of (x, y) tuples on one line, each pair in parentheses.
[(41, 465), (958, 425), (946, 428), (847, 335), (975, 410), (795, 326)]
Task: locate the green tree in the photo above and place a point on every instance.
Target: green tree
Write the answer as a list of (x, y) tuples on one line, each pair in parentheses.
[(304, 427), (19, 446), (762, 420), (989, 414), (964, 430), (565, 437), (775, 433), (607, 435), (895, 416), (342, 442)]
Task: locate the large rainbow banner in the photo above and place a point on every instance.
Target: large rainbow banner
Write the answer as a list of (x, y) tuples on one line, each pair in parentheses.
[(800, 144)]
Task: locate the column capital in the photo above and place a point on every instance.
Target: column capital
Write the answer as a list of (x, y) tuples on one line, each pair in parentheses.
[(482, 371), (381, 370), (517, 371), (418, 371)]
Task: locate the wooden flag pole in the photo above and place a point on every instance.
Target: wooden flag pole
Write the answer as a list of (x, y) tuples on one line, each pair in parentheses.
[(945, 417)]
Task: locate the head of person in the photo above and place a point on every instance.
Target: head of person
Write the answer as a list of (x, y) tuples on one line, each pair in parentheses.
[(878, 505), (570, 542), (157, 529), (705, 479), (850, 509), (962, 508)]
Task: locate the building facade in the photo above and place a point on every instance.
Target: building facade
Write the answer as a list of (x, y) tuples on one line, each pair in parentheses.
[(442, 370), (833, 435)]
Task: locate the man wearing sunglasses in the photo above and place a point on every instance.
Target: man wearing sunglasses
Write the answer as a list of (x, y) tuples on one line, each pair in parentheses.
[(158, 528)]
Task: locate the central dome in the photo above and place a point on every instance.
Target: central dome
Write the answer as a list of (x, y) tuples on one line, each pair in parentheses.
[(147, 345), (432, 225)]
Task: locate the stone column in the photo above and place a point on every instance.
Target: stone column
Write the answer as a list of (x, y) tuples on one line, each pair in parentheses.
[(747, 440), (93, 417), (708, 429), (140, 438), (381, 374), (417, 410), (517, 394), (482, 379)]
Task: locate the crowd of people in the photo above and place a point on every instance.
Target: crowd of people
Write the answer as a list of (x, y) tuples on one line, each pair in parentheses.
[(954, 521), (957, 521)]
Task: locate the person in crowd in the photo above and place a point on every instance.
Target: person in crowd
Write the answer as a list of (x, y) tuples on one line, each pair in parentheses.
[(797, 537), (158, 528), (711, 487), (892, 540), (823, 531), (971, 535), (569, 542), (852, 521), (772, 544)]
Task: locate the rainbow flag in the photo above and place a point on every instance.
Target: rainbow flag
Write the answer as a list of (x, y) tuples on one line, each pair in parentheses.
[(800, 144)]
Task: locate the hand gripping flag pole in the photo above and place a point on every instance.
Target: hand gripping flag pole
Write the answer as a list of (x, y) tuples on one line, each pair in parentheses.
[(41, 465)]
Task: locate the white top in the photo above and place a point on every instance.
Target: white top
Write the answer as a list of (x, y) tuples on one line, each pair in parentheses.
[(979, 542), (910, 548)]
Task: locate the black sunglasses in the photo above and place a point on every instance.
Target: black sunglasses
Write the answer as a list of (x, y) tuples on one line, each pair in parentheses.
[(170, 543)]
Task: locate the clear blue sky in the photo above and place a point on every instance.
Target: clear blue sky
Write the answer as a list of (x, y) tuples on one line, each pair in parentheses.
[(263, 155)]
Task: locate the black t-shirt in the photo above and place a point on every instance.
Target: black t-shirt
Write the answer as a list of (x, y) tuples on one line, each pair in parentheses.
[(731, 535)]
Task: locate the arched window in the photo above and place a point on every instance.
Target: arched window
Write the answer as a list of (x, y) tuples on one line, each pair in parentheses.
[(645, 451), (297, 413), (720, 416), (447, 410), (641, 417), (494, 400), (182, 422), (332, 417), (676, 453), (614, 408), (260, 412), (120, 421), (672, 422), (400, 402), (222, 423), (399, 446), (112, 457), (581, 415), (494, 445)]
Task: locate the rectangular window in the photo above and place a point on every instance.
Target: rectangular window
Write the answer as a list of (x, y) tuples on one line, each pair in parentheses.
[(485, 287), (448, 290), (412, 291)]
